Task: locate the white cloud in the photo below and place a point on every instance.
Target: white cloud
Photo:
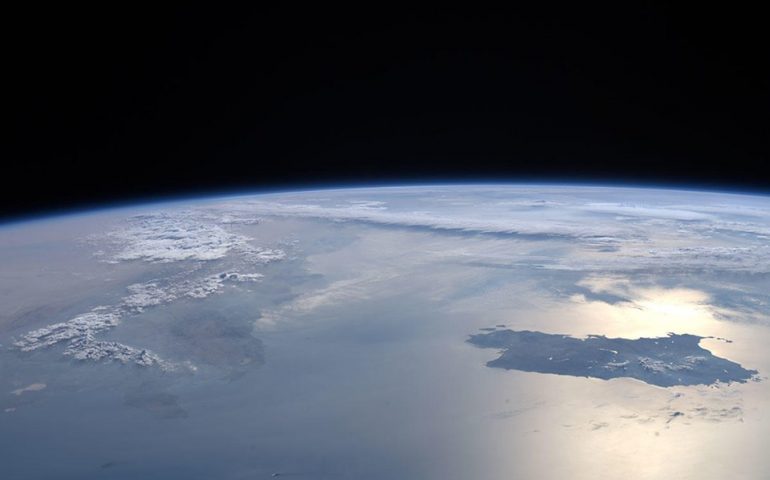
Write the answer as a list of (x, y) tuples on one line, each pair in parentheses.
[(35, 387), (648, 229), (172, 237), (79, 332), (161, 237)]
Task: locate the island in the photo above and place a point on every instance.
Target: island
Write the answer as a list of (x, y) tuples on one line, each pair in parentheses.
[(677, 359)]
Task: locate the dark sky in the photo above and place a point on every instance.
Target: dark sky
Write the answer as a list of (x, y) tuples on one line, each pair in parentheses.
[(124, 103)]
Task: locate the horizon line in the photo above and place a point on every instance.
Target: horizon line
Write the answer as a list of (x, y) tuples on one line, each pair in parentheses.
[(308, 187)]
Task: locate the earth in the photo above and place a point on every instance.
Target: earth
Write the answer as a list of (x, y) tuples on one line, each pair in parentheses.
[(417, 332)]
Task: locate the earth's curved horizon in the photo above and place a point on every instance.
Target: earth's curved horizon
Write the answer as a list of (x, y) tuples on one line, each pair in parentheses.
[(160, 201), (390, 332)]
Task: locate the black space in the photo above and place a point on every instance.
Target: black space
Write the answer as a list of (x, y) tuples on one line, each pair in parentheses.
[(123, 102)]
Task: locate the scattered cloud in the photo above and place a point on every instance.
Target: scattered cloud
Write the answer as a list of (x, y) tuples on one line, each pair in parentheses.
[(34, 387)]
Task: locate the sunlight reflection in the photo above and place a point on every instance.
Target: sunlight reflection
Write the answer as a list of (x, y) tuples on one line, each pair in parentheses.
[(648, 311)]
